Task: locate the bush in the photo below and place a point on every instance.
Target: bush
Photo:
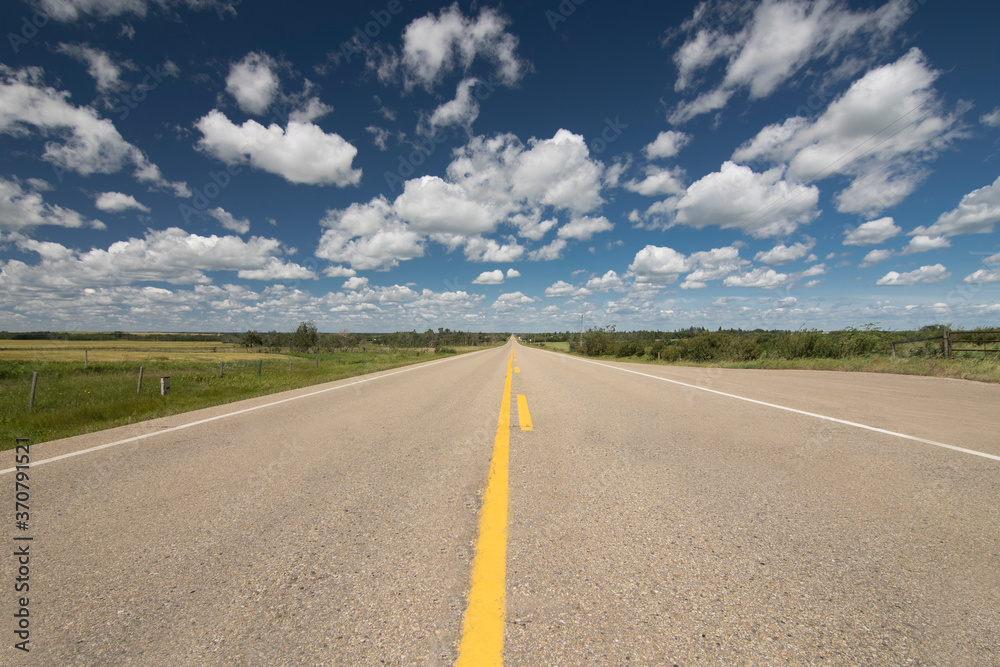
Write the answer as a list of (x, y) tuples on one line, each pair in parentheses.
[(630, 348)]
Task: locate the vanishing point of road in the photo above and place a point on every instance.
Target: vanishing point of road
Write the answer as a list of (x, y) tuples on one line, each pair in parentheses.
[(528, 506)]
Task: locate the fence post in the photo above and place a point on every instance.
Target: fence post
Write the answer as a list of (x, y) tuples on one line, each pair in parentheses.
[(138, 386), (317, 363), (289, 364), (85, 360), (260, 365), (947, 344), (164, 385), (34, 382), (220, 368)]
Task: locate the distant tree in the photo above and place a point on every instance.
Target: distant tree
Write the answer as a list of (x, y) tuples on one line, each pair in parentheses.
[(305, 336), (252, 339), (273, 340)]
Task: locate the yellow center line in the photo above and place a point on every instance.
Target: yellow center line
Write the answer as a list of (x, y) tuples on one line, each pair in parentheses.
[(522, 413), (482, 629)]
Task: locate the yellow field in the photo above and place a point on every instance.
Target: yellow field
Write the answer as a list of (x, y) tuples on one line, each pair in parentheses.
[(114, 350)]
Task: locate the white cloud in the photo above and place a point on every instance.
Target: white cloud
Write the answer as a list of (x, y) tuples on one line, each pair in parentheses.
[(479, 249), (562, 289), (762, 278), (432, 205), (924, 243), (100, 65), (171, 255), (434, 46), (976, 214), (584, 227), (991, 118), (762, 205), (658, 182), (559, 172), (768, 43), (339, 272), (983, 276), (72, 10), (666, 145), (511, 300), (609, 282), (513, 273), (300, 153), (90, 144), (924, 275), (714, 264), (870, 233), (227, 220), (548, 252), (784, 254), (658, 265), (355, 283), (876, 256), (489, 278), (116, 202), (253, 82), (368, 236), (20, 210), (860, 135), (461, 111)]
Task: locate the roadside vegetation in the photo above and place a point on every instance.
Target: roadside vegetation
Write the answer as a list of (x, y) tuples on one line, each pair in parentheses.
[(204, 370), (865, 349)]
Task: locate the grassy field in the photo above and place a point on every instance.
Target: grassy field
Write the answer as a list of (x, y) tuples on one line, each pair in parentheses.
[(70, 400), (969, 367)]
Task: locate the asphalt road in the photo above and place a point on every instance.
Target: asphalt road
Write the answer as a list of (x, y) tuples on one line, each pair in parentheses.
[(649, 522)]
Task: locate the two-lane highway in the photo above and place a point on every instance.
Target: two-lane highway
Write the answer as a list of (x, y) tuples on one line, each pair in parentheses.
[(648, 521)]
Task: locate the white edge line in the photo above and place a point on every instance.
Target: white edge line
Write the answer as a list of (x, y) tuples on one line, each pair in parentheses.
[(240, 412), (787, 409)]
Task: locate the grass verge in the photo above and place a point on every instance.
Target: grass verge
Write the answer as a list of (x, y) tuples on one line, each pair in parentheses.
[(974, 368), (70, 400)]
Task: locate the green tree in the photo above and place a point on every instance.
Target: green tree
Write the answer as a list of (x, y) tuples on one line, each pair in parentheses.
[(305, 336)]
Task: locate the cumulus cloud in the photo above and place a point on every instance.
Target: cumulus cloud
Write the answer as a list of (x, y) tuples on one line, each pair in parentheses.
[(874, 257), (562, 289), (872, 232), (435, 46), (762, 205), (766, 44), (976, 214), (68, 11), (658, 182), (300, 153), (584, 227), (90, 144), (431, 204), (21, 211), (924, 243), (860, 135), (714, 264), (666, 145), (489, 278), (116, 202), (171, 255), (785, 254), (609, 282), (229, 221), (479, 249), (100, 65), (924, 275), (762, 278), (253, 82), (461, 111), (513, 273), (368, 236), (658, 265), (991, 118), (548, 252)]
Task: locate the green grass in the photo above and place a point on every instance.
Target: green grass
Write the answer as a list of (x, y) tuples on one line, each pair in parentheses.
[(965, 366), (562, 347), (70, 400)]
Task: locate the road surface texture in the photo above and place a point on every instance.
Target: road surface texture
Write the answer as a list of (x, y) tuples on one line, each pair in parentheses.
[(650, 522)]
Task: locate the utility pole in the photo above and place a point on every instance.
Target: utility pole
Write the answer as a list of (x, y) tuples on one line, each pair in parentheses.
[(581, 328)]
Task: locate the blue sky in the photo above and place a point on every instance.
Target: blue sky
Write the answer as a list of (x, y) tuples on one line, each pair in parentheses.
[(192, 165)]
